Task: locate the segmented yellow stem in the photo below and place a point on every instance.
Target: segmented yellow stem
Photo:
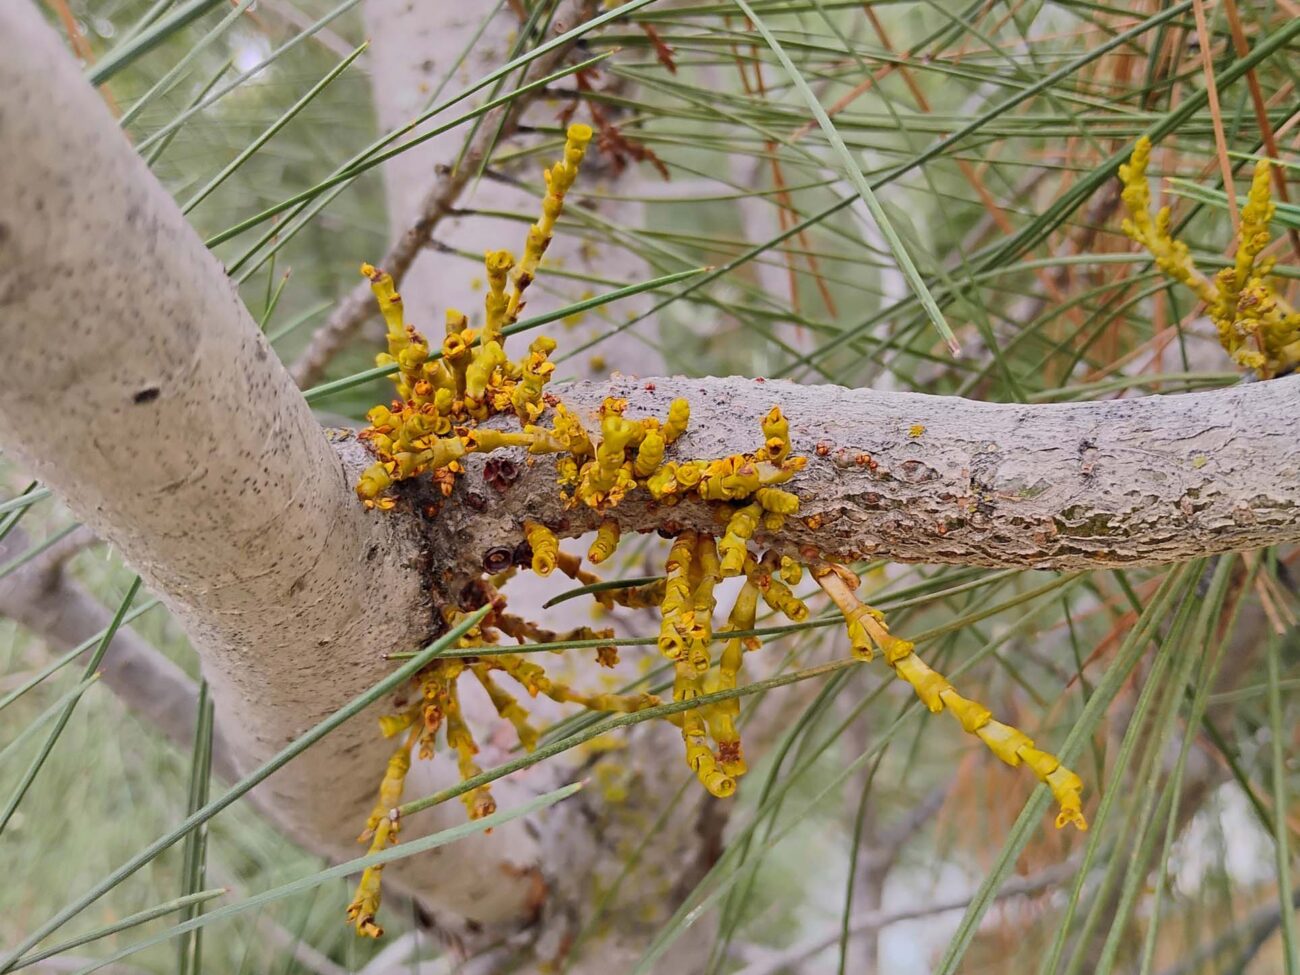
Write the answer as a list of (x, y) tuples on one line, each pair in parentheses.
[(1256, 326), (559, 179), (932, 688), (721, 717), (677, 597), (365, 902), (507, 707), (498, 265), (545, 546), (605, 542), (478, 802)]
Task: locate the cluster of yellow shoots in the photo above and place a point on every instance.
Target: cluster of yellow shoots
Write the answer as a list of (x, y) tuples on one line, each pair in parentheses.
[(436, 707), (435, 422), (1256, 326)]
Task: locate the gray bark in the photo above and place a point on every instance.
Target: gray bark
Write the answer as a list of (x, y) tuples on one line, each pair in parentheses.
[(1146, 481)]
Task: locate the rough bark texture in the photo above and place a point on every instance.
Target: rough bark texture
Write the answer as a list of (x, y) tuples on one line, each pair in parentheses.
[(918, 478)]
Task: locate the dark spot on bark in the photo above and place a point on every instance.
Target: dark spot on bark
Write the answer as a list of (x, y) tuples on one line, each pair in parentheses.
[(475, 501), (501, 472), (498, 559), (474, 594), (146, 395), (914, 471), (1078, 521)]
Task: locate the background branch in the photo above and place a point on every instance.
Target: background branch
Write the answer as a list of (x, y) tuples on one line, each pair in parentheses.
[(42, 597), (399, 29)]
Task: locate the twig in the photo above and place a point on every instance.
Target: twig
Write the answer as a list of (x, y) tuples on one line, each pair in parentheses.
[(793, 957), (303, 953), (1254, 931), (1216, 115), (398, 953)]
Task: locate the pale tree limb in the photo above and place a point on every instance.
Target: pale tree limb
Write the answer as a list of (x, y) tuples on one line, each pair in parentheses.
[(938, 479), (136, 385), (41, 597)]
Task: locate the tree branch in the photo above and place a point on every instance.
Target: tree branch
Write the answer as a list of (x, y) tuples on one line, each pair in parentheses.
[(136, 385), (917, 478), (41, 597), (872, 921)]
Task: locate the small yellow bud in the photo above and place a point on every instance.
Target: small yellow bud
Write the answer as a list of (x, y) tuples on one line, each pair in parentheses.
[(605, 542), (545, 545)]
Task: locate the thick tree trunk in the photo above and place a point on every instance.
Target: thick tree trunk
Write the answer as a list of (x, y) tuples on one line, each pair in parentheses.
[(137, 386)]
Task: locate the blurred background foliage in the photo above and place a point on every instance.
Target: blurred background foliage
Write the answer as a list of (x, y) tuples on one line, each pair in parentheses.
[(989, 132)]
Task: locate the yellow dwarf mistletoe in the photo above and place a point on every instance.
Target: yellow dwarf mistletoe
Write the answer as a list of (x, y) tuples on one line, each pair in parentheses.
[(443, 397), (1256, 326)]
